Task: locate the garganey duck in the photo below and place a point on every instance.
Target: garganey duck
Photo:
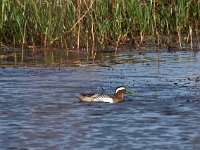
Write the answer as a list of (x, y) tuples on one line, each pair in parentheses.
[(118, 96)]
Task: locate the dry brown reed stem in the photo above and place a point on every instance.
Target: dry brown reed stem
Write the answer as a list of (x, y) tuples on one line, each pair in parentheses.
[(93, 35), (197, 34), (23, 41), (191, 41), (179, 37), (92, 30), (154, 16), (79, 24), (156, 29)]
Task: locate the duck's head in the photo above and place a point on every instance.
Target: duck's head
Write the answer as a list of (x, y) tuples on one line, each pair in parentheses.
[(119, 92)]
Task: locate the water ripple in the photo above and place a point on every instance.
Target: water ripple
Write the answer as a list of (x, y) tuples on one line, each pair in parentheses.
[(39, 108)]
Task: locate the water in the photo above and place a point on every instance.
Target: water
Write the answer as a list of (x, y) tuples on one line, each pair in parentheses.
[(39, 108)]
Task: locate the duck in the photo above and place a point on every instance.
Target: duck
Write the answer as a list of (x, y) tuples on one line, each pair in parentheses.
[(118, 96)]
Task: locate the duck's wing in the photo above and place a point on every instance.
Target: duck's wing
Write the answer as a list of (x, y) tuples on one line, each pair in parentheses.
[(102, 98), (86, 97)]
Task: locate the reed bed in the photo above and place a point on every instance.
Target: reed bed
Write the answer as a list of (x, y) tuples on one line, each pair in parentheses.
[(91, 24)]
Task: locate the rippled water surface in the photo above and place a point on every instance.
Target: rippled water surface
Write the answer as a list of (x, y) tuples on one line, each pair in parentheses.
[(39, 108)]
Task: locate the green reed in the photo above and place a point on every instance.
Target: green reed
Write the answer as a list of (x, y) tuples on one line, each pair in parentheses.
[(85, 23)]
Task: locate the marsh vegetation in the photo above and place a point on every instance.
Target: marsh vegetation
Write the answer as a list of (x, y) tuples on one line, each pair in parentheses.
[(95, 25)]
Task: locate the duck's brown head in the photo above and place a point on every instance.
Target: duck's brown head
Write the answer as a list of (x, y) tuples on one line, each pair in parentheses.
[(119, 93)]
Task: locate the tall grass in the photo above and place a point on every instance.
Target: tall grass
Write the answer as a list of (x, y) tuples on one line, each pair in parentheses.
[(86, 24)]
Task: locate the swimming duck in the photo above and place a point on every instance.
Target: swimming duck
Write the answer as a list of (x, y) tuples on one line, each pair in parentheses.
[(118, 96)]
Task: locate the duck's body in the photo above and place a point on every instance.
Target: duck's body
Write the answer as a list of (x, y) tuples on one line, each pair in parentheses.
[(118, 97), (96, 98)]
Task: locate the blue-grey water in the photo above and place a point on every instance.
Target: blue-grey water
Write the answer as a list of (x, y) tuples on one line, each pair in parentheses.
[(39, 108)]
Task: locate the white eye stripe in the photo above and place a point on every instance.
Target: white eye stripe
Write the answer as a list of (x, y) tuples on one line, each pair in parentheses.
[(119, 89)]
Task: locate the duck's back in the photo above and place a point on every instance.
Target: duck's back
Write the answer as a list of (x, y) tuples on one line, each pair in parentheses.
[(96, 98)]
